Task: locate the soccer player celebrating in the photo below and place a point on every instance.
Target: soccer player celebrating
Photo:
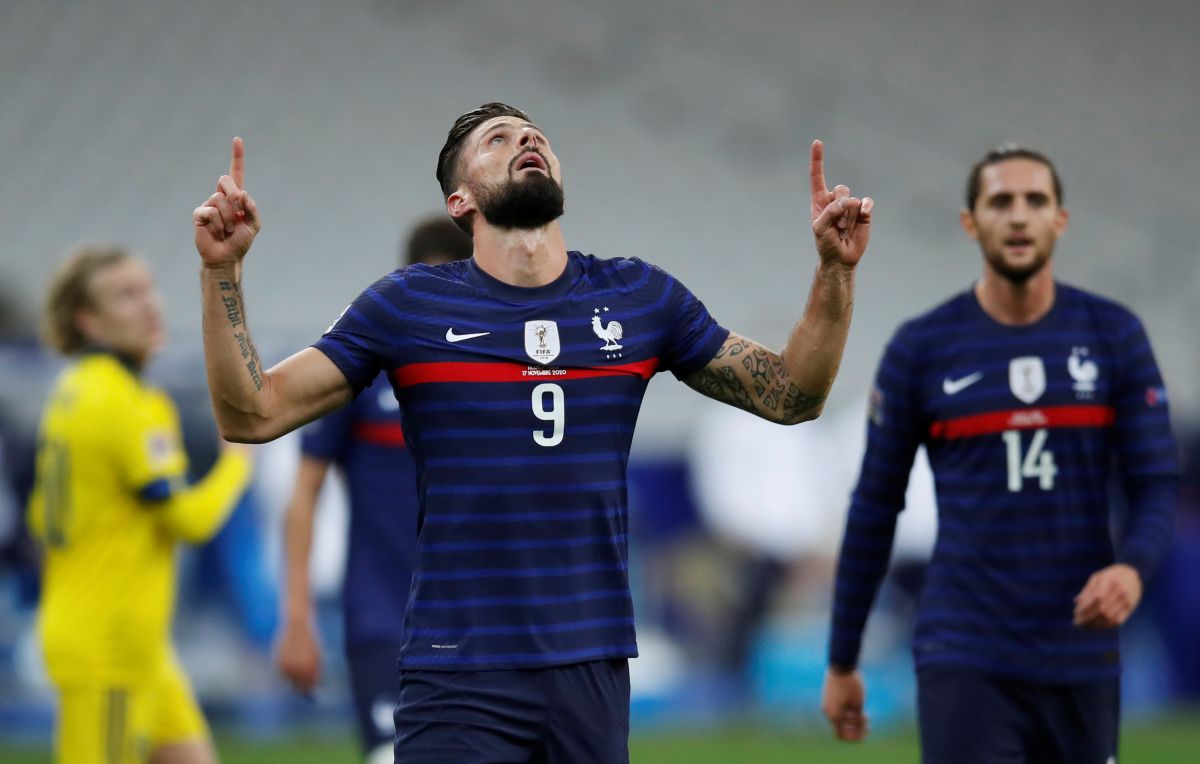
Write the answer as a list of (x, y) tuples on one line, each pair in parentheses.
[(366, 442), (109, 506), (1024, 391), (519, 373)]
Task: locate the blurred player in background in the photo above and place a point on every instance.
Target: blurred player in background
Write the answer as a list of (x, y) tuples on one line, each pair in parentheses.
[(109, 507), (1024, 392), (366, 442), (520, 373)]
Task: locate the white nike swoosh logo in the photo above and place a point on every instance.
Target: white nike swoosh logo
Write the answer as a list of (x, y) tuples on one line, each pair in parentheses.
[(952, 386), (452, 337)]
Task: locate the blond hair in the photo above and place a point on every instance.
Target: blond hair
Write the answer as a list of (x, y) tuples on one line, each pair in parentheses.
[(70, 292)]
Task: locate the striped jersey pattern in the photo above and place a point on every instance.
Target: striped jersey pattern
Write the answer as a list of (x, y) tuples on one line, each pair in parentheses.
[(365, 440), (1023, 425), (519, 407)]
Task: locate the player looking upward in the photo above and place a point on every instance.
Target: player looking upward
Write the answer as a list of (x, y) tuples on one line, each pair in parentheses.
[(109, 507), (1024, 391), (366, 442), (519, 416)]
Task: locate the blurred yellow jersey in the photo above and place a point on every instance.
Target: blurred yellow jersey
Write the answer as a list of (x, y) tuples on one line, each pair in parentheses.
[(109, 505)]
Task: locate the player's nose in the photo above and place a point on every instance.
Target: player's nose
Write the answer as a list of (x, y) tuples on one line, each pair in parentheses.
[(527, 137), (1019, 213)]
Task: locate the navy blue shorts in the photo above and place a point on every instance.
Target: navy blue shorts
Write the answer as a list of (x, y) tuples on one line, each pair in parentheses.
[(576, 714), (373, 686), (969, 716)]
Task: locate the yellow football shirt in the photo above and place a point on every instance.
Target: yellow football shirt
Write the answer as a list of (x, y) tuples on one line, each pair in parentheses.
[(109, 505)]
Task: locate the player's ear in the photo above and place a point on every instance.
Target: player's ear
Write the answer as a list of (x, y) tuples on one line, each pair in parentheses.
[(87, 323), (967, 219), (460, 203), (1061, 220)]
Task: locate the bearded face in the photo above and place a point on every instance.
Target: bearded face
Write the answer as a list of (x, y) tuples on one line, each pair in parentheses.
[(528, 198), (1016, 219)]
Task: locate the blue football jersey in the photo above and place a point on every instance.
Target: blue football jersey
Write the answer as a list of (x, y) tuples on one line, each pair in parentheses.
[(366, 442), (519, 407), (1022, 425)]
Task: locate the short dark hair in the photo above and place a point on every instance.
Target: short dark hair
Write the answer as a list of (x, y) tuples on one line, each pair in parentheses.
[(438, 236), (1003, 153), (447, 166)]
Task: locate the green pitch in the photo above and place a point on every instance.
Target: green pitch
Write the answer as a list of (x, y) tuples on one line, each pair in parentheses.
[(1171, 740)]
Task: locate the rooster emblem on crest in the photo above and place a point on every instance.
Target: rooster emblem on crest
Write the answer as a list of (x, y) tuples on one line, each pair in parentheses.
[(610, 334)]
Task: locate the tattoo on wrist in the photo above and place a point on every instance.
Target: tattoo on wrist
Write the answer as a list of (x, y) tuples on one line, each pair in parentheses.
[(234, 311)]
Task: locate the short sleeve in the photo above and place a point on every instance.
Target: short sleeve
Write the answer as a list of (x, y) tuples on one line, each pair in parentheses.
[(693, 336), (360, 340)]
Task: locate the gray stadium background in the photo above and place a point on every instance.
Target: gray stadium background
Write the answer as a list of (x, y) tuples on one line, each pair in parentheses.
[(683, 129)]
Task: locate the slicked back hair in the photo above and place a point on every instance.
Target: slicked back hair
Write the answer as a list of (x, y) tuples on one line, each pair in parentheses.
[(447, 166), (70, 291), (1002, 153)]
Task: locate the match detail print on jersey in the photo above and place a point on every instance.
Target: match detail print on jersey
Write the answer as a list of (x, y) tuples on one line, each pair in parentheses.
[(1046, 417), (465, 371)]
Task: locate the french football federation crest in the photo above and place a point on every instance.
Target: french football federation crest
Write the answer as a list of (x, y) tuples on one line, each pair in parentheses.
[(1084, 372), (610, 333), (541, 341), (1027, 378)]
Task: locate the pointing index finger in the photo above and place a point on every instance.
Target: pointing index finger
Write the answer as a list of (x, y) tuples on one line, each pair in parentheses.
[(237, 163), (816, 168)]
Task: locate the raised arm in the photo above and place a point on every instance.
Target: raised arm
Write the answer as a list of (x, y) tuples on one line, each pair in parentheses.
[(250, 404), (791, 386)]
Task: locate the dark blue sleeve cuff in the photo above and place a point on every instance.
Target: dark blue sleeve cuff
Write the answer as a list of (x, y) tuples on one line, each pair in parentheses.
[(157, 491)]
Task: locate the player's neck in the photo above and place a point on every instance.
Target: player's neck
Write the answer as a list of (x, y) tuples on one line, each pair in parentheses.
[(524, 258), (1016, 303), (134, 362)]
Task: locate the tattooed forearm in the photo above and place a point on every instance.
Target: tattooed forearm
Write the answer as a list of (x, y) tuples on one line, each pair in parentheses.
[(231, 297), (232, 302), (721, 384), (800, 407), (747, 375), (767, 375)]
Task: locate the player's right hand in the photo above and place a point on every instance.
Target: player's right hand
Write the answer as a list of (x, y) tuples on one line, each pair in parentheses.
[(298, 657), (842, 700), (226, 224)]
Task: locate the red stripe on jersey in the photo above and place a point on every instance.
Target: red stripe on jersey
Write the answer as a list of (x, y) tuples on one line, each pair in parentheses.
[(1024, 419), (380, 433), (457, 371)]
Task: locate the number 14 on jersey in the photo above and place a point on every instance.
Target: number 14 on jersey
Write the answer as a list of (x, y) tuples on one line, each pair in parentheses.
[(1036, 462)]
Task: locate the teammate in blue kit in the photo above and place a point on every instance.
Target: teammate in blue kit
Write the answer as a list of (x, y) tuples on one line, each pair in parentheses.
[(1024, 391), (519, 374), (366, 442)]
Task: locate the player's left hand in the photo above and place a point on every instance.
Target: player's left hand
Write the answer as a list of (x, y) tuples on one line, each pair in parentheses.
[(841, 223), (226, 224), (1108, 597)]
